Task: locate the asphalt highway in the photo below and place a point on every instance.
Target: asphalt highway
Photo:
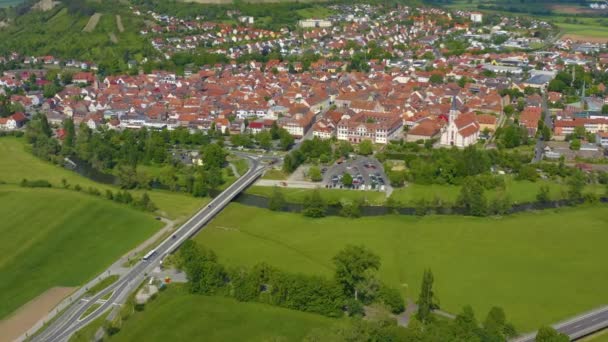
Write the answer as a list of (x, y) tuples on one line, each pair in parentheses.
[(69, 322), (577, 327)]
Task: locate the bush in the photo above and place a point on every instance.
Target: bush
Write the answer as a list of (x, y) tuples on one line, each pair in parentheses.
[(391, 298), (314, 205), (354, 308), (350, 209), (40, 183)]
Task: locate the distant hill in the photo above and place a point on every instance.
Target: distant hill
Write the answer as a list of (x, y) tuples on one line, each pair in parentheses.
[(105, 32)]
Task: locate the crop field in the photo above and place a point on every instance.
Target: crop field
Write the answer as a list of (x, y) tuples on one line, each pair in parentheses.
[(16, 163), (177, 315), (541, 267), (53, 237)]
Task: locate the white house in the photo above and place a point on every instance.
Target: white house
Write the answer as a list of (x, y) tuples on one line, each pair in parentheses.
[(476, 17), (12, 122)]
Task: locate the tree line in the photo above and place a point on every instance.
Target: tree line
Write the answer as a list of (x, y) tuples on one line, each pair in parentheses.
[(354, 285)]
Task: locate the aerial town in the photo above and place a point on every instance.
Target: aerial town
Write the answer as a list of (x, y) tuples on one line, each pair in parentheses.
[(293, 175)]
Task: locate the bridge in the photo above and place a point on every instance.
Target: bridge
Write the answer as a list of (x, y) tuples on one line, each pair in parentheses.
[(70, 321), (576, 327)]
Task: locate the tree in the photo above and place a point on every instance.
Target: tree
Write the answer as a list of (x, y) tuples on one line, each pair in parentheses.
[(543, 194), (70, 136), (472, 198), (496, 326), (426, 301), (436, 79), (351, 208), (575, 144), (145, 203), (509, 110), (548, 334), (344, 149), (213, 156), (366, 148), (264, 139), (576, 184), (315, 174), (466, 325), (605, 109), (347, 180), (353, 264), (557, 86), (277, 200), (285, 139), (314, 205), (45, 128)]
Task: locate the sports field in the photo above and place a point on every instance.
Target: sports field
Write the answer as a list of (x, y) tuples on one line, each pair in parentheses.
[(16, 163), (179, 316), (53, 237), (540, 266)]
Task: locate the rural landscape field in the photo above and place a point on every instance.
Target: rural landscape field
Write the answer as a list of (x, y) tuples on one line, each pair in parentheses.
[(522, 256), (303, 170)]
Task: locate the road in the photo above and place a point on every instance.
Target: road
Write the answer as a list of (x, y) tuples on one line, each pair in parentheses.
[(577, 327), (69, 322), (540, 143)]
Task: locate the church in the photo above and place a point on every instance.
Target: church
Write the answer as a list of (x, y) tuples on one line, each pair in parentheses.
[(461, 130)]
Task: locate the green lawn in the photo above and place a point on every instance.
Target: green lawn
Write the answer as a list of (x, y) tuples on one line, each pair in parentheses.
[(540, 266), (16, 163), (602, 336), (275, 174), (53, 237), (518, 191), (176, 315), (295, 195), (102, 285)]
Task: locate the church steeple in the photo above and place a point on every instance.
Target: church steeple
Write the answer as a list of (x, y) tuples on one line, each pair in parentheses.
[(454, 109)]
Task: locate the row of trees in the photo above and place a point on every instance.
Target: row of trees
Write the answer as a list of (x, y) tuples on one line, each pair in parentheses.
[(355, 283), (121, 153)]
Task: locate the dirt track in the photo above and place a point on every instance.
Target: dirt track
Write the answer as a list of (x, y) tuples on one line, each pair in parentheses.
[(93, 21), (30, 313)]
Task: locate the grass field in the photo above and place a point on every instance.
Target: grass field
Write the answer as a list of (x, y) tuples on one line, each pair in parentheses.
[(17, 163), (179, 316), (295, 195), (518, 191), (54, 237), (540, 266), (601, 336)]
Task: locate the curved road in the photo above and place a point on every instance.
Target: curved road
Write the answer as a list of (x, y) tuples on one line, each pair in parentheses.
[(69, 322)]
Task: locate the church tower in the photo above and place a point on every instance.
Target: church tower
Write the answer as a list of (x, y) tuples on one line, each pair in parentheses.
[(453, 111)]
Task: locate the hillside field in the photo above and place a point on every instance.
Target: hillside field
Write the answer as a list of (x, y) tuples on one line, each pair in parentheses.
[(541, 267), (177, 315), (16, 163), (53, 237), (591, 24)]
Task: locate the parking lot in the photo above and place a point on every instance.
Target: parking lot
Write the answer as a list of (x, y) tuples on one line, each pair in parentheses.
[(367, 174)]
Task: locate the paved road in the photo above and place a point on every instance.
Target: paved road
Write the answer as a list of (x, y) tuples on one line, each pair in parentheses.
[(577, 327), (69, 322), (540, 143)]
